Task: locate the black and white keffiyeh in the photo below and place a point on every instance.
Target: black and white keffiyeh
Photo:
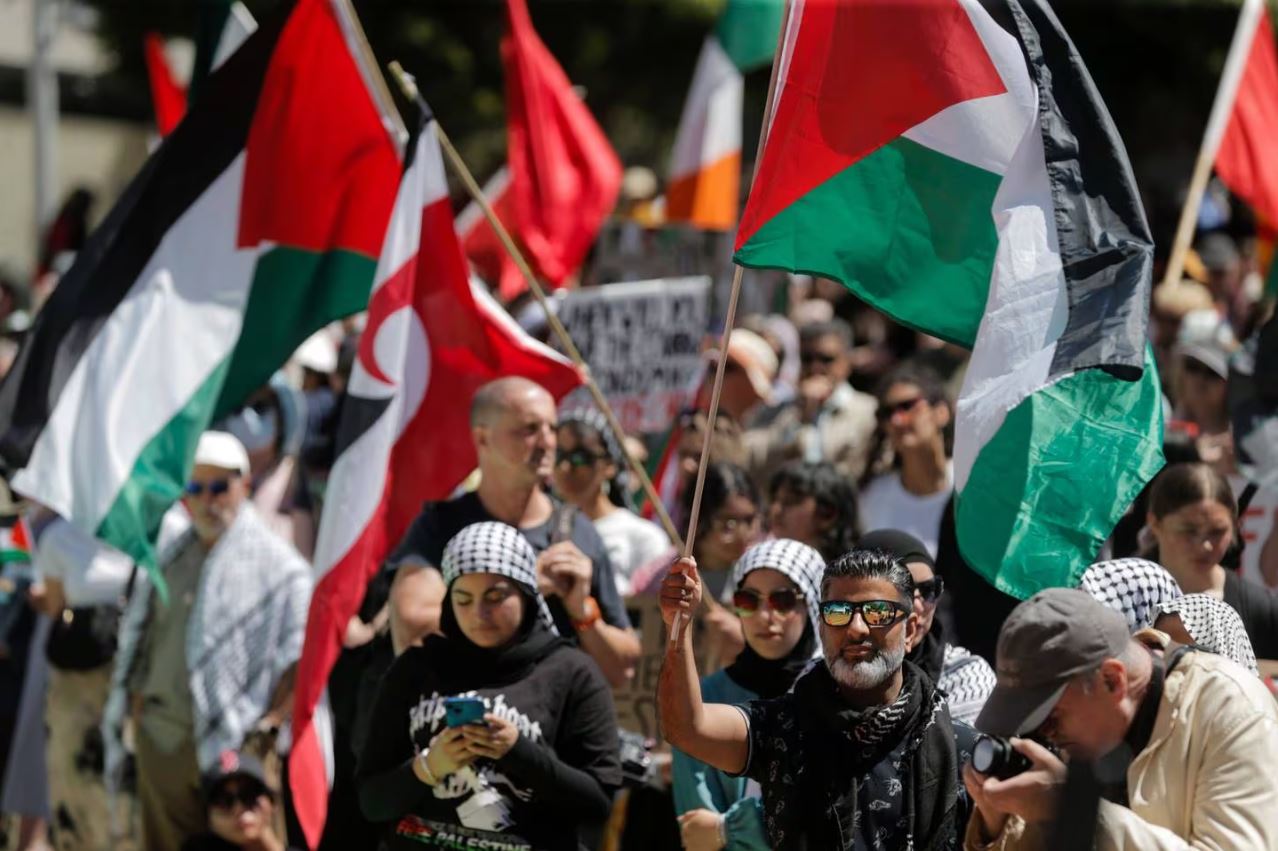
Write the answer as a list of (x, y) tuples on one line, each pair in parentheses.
[(592, 418), (499, 549), (967, 681), (1134, 587), (1214, 626), (798, 562)]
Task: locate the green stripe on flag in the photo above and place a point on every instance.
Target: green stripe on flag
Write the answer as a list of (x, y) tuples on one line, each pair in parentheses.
[(294, 293), (747, 31), (907, 229), (159, 474), (1048, 488)]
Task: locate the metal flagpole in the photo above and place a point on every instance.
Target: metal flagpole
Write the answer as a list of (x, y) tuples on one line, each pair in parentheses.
[(42, 95)]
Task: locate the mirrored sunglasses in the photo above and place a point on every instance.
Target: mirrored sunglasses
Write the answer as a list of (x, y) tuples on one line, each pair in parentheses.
[(877, 614), (217, 487), (576, 458), (782, 601)]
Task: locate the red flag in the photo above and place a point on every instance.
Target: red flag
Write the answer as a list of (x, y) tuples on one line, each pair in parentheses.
[(1247, 161), (404, 438), (167, 95), (565, 177), (480, 242)]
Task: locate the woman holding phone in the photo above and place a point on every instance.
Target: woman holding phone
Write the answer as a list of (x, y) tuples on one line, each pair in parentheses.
[(531, 765)]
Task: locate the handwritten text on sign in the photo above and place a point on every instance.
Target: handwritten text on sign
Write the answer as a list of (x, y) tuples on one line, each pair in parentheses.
[(642, 342)]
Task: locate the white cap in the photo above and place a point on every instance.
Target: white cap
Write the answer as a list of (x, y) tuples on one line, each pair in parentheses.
[(755, 356), (220, 449), (318, 353)]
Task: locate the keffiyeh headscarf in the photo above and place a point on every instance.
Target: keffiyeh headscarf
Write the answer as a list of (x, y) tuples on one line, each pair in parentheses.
[(798, 562), (1214, 626), (1134, 587), (500, 549)]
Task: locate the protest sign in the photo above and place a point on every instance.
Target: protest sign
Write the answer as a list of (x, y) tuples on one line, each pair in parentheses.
[(642, 342)]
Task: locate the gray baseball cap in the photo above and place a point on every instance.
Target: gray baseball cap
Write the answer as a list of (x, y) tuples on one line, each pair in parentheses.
[(1045, 642)]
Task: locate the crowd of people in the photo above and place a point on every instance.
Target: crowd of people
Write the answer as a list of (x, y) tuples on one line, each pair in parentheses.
[(839, 678)]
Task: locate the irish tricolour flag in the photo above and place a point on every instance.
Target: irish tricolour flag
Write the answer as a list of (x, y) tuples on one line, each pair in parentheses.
[(951, 162), (259, 220)]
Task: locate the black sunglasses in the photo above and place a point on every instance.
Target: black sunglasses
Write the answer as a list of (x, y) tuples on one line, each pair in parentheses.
[(931, 589), (782, 601), (226, 799), (576, 458), (886, 411), (817, 357), (877, 614), (217, 487)]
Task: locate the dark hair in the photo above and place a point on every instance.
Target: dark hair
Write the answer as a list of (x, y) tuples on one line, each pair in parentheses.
[(833, 492), (829, 328), (1184, 484), (881, 457), (923, 377), (723, 481), (871, 564), (585, 428)]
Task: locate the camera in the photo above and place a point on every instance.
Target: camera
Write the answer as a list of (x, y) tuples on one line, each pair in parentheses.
[(995, 757)]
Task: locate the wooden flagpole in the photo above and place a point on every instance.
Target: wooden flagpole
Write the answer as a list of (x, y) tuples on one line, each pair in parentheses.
[(676, 628), (1222, 108), (409, 87)]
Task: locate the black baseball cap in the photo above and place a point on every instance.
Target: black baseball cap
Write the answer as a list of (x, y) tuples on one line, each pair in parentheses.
[(235, 765), (1046, 641)]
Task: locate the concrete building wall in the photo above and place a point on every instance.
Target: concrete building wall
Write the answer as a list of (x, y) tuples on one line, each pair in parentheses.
[(99, 154)]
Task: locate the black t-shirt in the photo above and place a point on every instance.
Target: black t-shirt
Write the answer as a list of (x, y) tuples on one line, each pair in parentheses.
[(440, 521), (1258, 608), (560, 773), (212, 842)]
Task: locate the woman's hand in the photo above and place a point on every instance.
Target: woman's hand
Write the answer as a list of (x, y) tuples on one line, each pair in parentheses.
[(494, 740), (449, 753), (680, 590), (701, 830)]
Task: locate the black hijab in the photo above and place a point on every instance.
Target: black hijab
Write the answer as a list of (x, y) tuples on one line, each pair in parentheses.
[(773, 677)]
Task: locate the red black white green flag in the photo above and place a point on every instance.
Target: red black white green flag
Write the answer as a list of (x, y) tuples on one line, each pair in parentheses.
[(256, 222), (951, 162)]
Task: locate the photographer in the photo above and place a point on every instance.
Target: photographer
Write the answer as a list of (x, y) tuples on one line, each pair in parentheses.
[(1194, 735)]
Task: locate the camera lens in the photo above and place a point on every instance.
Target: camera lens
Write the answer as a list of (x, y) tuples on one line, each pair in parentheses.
[(996, 757)]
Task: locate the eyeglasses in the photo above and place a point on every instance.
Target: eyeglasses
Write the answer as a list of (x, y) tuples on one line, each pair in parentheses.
[(817, 357), (217, 487), (931, 589), (887, 412), (226, 799), (877, 614), (727, 526), (576, 458), (782, 601)]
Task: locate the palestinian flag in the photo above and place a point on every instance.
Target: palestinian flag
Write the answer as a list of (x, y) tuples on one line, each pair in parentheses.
[(705, 167), (951, 162), (256, 222)]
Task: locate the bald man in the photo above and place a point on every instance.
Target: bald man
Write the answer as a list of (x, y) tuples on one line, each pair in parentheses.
[(512, 424)]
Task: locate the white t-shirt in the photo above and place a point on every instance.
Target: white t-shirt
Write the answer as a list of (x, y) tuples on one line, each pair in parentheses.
[(630, 542), (886, 504)]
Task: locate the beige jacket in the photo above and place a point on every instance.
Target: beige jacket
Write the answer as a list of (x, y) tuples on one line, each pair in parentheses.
[(842, 435), (1207, 780)]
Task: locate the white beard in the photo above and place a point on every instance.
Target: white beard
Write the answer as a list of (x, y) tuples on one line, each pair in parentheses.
[(867, 673)]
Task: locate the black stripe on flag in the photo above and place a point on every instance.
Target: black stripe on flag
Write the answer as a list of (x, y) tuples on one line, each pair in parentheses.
[(1104, 239), (207, 141)]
